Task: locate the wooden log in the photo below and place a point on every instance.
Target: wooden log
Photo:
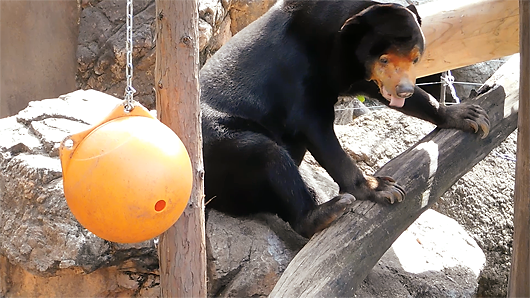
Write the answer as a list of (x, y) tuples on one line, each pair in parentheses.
[(182, 248), (335, 262), (519, 284), (460, 33)]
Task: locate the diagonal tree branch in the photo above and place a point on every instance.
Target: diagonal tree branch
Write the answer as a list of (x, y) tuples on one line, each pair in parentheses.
[(336, 261)]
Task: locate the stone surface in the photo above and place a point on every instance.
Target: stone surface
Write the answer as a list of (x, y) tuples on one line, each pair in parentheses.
[(244, 12), (115, 281), (482, 202), (348, 108), (44, 250), (39, 237), (472, 77), (101, 51), (434, 257), (247, 256)]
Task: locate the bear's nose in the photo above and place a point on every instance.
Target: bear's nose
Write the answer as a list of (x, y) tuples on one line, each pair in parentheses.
[(404, 90)]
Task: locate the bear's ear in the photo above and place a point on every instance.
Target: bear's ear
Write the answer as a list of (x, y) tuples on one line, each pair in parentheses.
[(355, 21), (412, 8)]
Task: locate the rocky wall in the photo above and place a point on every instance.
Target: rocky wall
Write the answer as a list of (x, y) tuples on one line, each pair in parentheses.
[(101, 51), (45, 252)]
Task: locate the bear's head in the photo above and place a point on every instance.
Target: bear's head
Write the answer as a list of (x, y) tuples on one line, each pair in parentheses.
[(388, 41)]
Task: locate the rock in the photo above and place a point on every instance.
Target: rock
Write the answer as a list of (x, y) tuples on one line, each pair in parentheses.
[(473, 76), (101, 51), (247, 256), (221, 37), (244, 12), (347, 109), (40, 239), (213, 12), (39, 236), (434, 257), (205, 34), (113, 281), (482, 202)]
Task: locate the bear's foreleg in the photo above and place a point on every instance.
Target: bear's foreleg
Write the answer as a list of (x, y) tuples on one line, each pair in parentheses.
[(466, 117), (325, 147)]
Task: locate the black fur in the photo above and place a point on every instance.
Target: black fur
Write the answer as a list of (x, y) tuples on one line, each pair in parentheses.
[(268, 96)]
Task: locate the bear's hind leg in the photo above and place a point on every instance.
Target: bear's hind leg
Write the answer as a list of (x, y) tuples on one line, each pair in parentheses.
[(301, 210), (250, 171)]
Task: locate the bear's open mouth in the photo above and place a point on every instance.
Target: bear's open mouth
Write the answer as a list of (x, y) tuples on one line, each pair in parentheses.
[(394, 73), (395, 101)]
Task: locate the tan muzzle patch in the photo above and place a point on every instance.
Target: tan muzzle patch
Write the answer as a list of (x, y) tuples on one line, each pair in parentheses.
[(395, 75)]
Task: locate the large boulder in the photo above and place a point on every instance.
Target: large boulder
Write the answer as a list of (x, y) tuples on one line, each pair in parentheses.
[(101, 51), (41, 241), (244, 12), (434, 257), (38, 230), (482, 202)]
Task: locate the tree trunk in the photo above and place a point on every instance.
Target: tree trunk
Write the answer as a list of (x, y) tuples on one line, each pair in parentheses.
[(182, 249), (336, 261), (519, 285), (460, 33)]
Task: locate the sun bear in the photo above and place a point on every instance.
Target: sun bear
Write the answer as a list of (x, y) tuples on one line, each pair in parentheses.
[(268, 95)]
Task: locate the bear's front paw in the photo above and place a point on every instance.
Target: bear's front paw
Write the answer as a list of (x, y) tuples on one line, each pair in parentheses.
[(385, 189), (468, 117)]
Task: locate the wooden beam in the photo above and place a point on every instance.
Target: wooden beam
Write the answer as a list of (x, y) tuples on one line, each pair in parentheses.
[(336, 261), (182, 249), (519, 284), (460, 33)]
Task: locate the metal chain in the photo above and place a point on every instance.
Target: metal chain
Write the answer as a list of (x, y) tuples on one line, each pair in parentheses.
[(129, 90)]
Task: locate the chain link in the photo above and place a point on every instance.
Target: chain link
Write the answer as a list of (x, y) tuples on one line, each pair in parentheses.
[(129, 90)]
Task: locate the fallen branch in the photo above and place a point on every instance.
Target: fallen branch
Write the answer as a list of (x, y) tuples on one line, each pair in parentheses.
[(336, 261)]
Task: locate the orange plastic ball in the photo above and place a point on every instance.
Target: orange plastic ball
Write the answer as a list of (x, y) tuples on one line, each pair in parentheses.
[(127, 179)]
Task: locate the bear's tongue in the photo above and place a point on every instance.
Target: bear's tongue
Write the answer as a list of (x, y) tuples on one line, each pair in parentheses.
[(397, 102)]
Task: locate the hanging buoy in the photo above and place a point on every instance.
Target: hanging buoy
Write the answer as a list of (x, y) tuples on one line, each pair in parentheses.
[(127, 179)]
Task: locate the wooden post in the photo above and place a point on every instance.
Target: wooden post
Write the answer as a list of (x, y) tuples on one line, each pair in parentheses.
[(519, 285), (460, 33), (182, 249)]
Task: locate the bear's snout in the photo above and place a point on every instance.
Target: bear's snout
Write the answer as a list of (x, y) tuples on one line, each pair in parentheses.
[(404, 90)]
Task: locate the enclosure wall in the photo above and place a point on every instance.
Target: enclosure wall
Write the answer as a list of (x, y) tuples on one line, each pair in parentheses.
[(38, 42)]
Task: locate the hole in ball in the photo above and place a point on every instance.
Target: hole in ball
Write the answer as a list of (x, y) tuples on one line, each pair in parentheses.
[(69, 144), (160, 205)]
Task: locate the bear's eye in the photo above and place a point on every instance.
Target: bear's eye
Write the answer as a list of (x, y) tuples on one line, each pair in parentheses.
[(383, 59), (416, 60)]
